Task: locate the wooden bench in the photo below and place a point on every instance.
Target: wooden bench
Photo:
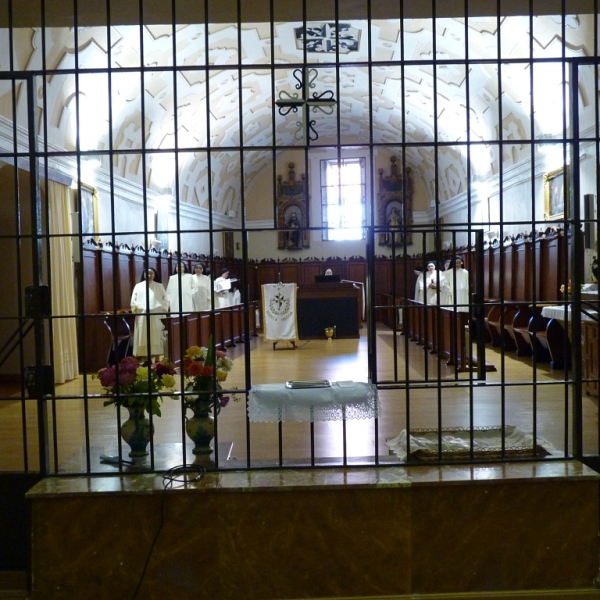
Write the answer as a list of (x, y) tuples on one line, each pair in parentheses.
[(497, 319)]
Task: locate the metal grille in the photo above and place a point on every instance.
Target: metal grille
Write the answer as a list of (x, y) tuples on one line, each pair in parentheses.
[(145, 138)]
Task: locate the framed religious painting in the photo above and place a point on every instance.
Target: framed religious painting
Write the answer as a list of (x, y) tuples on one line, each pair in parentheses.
[(394, 206), (292, 212), (228, 251), (556, 194), (88, 209)]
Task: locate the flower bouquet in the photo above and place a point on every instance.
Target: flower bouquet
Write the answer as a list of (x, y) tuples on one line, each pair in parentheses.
[(136, 386), (132, 384), (205, 369)]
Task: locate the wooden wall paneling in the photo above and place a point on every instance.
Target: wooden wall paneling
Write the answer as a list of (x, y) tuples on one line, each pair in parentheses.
[(268, 273), (91, 333), (522, 286), (252, 287), (469, 257), (508, 251), (204, 328), (108, 280), (405, 277), (227, 321), (495, 265), (382, 276), (487, 271), (126, 277), (164, 266), (288, 272), (154, 261), (357, 271), (175, 329), (91, 281), (237, 322), (186, 259), (191, 330), (308, 272), (137, 266), (551, 272), (537, 247), (218, 334)]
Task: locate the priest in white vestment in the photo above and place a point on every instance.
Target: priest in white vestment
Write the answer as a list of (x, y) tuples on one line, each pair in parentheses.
[(185, 281), (202, 297), (148, 295)]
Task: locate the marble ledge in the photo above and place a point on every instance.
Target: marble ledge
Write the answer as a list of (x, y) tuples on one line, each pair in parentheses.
[(294, 480)]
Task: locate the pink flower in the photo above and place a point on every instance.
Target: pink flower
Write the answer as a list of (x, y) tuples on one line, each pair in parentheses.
[(126, 376), (129, 362), (108, 377)]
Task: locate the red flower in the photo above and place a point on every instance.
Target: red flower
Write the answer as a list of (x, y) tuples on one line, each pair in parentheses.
[(195, 369), (163, 368)]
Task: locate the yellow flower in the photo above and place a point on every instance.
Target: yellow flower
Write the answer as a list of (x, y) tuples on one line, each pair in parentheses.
[(221, 375), (168, 380), (225, 363), (195, 352), (142, 372)]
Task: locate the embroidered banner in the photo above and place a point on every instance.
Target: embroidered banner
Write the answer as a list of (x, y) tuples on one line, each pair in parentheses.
[(279, 310)]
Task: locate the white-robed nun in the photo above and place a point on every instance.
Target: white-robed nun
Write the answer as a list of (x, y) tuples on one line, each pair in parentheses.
[(148, 297), (222, 289), (202, 297), (426, 288), (185, 281), (455, 286)]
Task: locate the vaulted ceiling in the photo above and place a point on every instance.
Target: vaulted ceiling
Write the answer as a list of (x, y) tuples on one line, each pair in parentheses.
[(395, 86)]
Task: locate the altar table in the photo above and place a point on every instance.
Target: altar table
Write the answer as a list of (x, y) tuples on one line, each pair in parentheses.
[(344, 400)]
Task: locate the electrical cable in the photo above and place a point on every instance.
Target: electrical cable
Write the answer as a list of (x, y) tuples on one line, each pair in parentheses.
[(174, 475)]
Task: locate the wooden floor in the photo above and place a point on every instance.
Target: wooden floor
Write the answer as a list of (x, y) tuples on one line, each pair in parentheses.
[(515, 394)]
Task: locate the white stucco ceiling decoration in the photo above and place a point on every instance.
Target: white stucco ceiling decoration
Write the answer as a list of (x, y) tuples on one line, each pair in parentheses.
[(158, 111)]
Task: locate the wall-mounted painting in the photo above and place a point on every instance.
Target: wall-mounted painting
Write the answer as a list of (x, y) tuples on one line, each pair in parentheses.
[(88, 209), (556, 194), (394, 205), (228, 251), (292, 211)]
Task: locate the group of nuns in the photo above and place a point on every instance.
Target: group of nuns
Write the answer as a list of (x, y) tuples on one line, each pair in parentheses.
[(185, 293), (447, 287)]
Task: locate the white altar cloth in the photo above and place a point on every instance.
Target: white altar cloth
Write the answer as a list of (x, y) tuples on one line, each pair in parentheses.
[(344, 400), (558, 312)]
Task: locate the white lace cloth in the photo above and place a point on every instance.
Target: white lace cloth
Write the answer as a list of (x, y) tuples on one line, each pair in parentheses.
[(344, 400), (558, 312)]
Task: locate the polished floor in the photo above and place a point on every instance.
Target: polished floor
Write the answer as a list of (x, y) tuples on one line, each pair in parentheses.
[(537, 400)]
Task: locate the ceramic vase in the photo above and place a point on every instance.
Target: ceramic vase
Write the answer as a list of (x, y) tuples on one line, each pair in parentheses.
[(201, 430), (136, 431)]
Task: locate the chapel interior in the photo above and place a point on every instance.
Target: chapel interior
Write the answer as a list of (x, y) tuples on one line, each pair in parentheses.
[(323, 154)]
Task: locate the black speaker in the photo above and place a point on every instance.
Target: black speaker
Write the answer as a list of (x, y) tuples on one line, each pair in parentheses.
[(46, 373), (38, 304), (589, 216)]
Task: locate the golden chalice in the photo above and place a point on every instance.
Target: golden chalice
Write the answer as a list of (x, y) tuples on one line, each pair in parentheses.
[(329, 331)]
